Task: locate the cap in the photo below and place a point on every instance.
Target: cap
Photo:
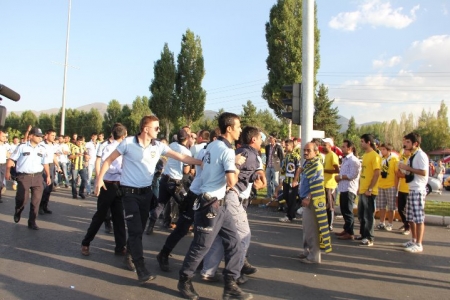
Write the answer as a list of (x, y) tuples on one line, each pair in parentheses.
[(329, 141), (182, 135), (36, 131)]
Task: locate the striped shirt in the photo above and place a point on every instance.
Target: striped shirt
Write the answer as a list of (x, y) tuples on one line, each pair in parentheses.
[(78, 161), (351, 167)]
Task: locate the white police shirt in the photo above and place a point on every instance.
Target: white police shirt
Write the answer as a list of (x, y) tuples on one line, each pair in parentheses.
[(29, 159), (115, 169), (197, 182), (91, 148), (138, 163), (218, 160), (174, 168), (49, 152)]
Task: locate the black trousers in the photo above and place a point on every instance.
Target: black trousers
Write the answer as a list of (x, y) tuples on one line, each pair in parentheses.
[(206, 230), (402, 208), (136, 214), (108, 200), (185, 220), (166, 191), (25, 183), (290, 195), (47, 188), (346, 201)]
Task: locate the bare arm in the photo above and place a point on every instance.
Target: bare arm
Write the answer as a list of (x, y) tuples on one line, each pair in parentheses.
[(373, 182), (184, 158), (232, 178)]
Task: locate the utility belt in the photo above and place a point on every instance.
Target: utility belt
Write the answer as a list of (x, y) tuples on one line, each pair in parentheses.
[(205, 200), (135, 191), (30, 174)]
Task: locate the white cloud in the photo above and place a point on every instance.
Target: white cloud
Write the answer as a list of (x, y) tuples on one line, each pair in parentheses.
[(380, 63), (419, 82), (375, 13), (444, 10)]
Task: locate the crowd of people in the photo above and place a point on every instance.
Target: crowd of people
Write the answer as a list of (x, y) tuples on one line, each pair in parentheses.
[(203, 181)]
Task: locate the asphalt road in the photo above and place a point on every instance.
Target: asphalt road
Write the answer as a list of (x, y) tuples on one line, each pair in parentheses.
[(47, 264)]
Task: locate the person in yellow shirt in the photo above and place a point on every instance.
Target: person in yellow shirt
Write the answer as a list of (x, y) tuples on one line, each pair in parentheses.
[(368, 189), (330, 168), (403, 191), (387, 187)]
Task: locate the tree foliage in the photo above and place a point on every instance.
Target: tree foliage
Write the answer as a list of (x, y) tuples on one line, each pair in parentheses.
[(163, 101), (139, 109), (284, 43), (112, 115), (190, 73), (325, 116)]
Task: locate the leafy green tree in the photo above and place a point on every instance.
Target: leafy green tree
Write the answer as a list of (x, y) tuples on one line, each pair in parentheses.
[(139, 109), (284, 42), (112, 115), (73, 121), (46, 121), (351, 129), (27, 118), (249, 116), (13, 121), (163, 101), (434, 130), (325, 116), (12, 133), (190, 73), (92, 123), (125, 119)]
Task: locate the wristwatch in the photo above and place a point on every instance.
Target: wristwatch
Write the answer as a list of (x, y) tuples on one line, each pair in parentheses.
[(370, 190)]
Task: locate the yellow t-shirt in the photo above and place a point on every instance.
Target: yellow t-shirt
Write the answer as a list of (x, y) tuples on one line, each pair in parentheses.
[(388, 167), (402, 185), (370, 162), (331, 159)]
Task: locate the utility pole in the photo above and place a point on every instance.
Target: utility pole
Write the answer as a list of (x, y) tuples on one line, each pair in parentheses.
[(63, 108), (307, 71)]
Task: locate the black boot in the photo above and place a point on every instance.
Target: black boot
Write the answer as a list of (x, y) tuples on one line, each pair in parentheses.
[(186, 288), (142, 272), (163, 260), (232, 291), (248, 269), (46, 210), (150, 226)]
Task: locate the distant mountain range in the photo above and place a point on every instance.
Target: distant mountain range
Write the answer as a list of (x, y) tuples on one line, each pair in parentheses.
[(209, 114)]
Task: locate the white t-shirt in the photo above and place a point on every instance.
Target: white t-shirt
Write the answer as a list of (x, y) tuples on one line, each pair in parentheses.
[(3, 151), (420, 162)]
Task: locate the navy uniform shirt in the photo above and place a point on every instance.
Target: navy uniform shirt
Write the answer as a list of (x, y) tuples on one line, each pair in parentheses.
[(29, 159), (248, 169), (138, 163)]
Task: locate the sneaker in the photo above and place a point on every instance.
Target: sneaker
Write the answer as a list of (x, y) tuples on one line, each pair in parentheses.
[(14, 187), (402, 228), (366, 242), (414, 249), (284, 220), (406, 232), (358, 238), (299, 211), (381, 226), (3, 189), (388, 227), (408, 244)]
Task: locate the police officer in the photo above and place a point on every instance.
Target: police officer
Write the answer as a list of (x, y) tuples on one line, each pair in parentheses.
[(250, 174), (186, 218), (110, 198), (30, 161), (211, 218), (170, 184), (140, 154), (51, 160)]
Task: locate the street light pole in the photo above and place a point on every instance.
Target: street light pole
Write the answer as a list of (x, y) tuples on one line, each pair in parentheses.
[(63, 108)]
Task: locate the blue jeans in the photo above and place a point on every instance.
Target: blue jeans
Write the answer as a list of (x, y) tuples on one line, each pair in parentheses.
[(63, 167), (346, 200), (90, 170), (75, 173), (273, 179), (366, 215)]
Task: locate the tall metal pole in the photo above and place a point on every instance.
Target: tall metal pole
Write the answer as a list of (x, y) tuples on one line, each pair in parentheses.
[(63, 108), (307, 71)]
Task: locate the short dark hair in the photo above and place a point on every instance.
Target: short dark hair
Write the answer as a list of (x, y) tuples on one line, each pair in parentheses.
[(368, 138), (414, 137), (388, 146), (227, 119), (80, 138), (94, 133), (119, 131), (214, 134), (51, 130), (205, 135), (351, 145), (248, 133)]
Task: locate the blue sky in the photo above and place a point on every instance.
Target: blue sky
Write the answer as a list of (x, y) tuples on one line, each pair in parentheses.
[(379, 58)]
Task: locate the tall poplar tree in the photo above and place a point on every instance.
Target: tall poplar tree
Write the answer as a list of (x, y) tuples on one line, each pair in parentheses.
[(190, 73), (284, 42), (163, 101), (325, 116)]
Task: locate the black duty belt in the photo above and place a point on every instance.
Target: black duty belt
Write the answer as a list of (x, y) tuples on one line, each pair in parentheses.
[(31, 174), (111, 182), (136, 191), (210, 200), (170, 179)]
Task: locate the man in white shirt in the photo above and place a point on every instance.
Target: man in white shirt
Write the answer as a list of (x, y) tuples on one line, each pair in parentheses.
[(91, 148), (4, 155)]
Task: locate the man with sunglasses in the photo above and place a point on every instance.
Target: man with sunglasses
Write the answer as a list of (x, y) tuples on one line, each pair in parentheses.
[(140, 155)]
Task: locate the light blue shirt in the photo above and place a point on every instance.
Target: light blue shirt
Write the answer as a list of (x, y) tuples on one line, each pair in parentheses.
[(138, 163), (115, 169), (173, 167), (50, 152), (218, 160), (197, 182), (29, 159)]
